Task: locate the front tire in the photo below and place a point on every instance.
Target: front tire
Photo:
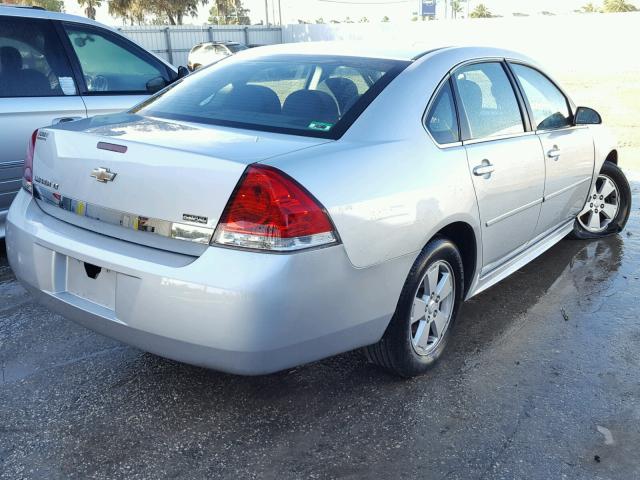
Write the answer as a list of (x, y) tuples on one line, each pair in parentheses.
[(608, 206), (429, 302)]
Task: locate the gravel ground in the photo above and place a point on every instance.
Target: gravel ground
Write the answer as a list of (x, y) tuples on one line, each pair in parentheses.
[(541, 381)]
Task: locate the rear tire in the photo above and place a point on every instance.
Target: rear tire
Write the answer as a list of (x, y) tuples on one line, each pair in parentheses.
[(607, 209), (421, 325)]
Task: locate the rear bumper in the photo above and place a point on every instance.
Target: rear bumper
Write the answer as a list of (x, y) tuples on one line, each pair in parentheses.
[(234, 311)]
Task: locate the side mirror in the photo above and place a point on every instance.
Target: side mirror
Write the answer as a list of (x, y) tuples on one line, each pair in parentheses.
[(182, 71), (587, 116), (156, 84)]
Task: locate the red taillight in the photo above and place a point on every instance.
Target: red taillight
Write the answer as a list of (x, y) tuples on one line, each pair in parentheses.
[(27, 173), (271, 211)]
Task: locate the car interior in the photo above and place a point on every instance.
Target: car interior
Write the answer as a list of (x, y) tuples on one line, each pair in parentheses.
[(326, 103), (332, 98), (18, 79), (279, 94), (489, 108)]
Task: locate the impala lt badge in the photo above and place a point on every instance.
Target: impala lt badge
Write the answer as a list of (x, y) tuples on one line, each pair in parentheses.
[(103, 175)]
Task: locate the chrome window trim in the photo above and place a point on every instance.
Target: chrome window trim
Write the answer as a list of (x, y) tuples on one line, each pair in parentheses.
[(570, 103), (443, 146), (535, 67), (427, 110), (523, 114), (497, 137), (444, 80), (561, 129), (186, 232), (507, 60)]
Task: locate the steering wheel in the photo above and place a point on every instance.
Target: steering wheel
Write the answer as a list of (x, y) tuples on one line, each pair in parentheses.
[(97, 83)]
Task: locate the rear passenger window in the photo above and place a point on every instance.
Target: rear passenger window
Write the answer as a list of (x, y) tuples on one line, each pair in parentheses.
[(32, 62), (441, 120), (488, 101), (550, 107)]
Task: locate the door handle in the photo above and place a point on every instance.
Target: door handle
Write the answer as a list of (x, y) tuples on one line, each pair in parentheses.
[(484, 170), (58, 120), (554, 153)]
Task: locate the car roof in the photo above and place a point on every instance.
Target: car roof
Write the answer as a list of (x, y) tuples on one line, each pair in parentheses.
[(382, 50), (31, 12), (219, 42), (343, 48)]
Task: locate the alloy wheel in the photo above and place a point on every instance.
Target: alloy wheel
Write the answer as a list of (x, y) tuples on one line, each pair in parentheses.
[(602, 205), (432, 308)]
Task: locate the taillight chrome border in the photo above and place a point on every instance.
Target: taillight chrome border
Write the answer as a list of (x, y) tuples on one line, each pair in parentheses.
[(274, 244)]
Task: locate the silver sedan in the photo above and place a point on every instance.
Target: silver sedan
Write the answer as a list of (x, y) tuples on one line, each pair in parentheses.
[(297, 201)]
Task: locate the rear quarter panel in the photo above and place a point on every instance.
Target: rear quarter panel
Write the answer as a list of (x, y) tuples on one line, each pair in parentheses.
[(387, 186), (387, 199)]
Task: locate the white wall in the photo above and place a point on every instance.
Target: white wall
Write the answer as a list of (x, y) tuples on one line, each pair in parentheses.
[(575, 43), (563, 43)]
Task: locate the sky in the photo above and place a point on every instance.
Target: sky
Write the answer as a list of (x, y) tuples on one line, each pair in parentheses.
[(374, 10)]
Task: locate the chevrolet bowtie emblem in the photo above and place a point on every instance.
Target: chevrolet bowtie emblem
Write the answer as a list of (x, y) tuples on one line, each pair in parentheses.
[(103, 175)]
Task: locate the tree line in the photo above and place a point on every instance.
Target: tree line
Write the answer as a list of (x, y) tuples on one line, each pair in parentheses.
[(233, 12), (173, 12)]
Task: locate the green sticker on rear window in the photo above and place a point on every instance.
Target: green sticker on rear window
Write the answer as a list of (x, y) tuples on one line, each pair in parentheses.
[(323, 126)]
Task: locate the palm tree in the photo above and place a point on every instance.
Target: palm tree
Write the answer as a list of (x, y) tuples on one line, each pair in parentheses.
[(228, 12), (456, 8), (132, 11), (611, 6), (481, 11), (590, 8), (90, 9)]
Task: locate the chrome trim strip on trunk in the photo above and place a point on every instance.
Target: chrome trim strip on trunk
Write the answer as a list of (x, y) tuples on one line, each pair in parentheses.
[(131, 221)]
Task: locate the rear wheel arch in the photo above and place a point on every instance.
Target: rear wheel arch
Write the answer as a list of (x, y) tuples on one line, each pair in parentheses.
[(464, 238), (612, 157)]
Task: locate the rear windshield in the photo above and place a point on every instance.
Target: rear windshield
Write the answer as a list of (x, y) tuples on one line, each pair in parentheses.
[(317, 96)]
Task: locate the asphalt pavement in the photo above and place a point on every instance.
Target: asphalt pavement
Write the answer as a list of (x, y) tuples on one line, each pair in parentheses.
[(541, 381)]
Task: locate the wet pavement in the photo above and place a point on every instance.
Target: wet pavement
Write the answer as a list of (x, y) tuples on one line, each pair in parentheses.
[(541, 381)]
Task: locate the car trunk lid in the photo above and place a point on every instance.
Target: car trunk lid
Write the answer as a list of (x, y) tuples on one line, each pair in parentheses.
[(149, 181)]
